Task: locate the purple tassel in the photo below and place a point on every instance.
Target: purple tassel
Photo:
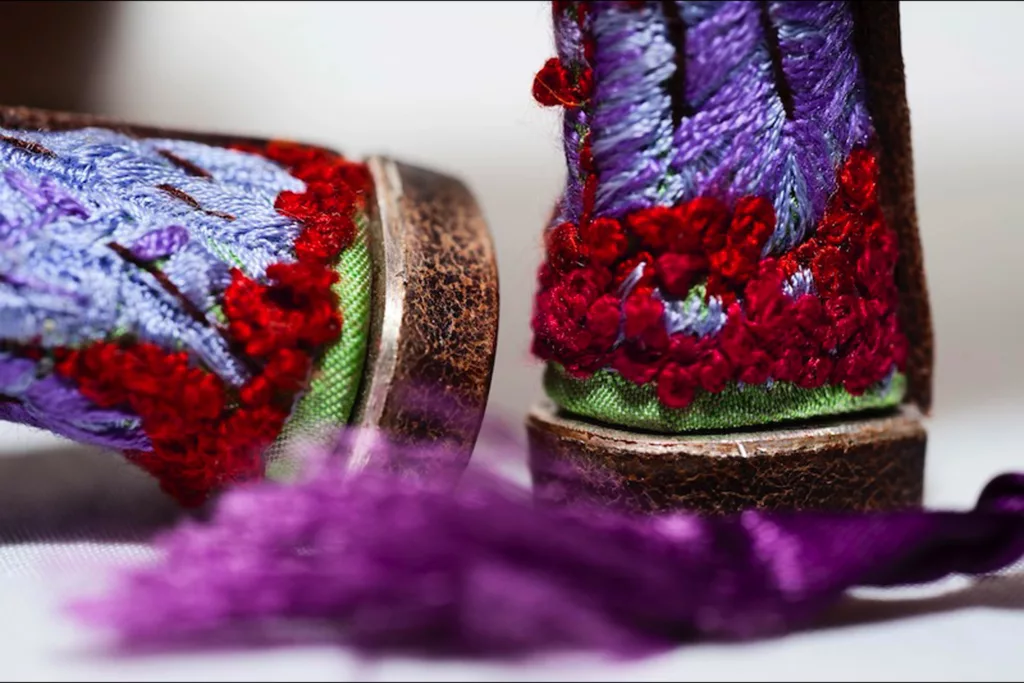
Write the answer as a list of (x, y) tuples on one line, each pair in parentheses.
[(384, 562)]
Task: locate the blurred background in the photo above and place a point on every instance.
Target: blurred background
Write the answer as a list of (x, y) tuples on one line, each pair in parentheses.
[(447, 85)]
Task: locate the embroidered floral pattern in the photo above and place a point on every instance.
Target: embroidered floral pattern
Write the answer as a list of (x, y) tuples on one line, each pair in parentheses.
[(845, 332), (206, 434)]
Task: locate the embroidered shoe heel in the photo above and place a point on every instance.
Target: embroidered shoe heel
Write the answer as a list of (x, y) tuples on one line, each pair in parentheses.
[(201, 302), (732, 306)]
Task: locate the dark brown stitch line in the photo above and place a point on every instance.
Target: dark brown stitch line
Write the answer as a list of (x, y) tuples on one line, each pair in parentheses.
[(161, 278), (184, 164), (191, 201), (27, 146), (676, 84), (190, 307), (771, 37)]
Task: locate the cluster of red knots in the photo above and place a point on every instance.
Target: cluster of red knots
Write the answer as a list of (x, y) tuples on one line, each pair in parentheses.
[(846, 332), (204, 433)]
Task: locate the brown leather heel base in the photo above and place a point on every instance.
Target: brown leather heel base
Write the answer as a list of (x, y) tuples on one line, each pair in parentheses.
[(870, 463), (434, 320)]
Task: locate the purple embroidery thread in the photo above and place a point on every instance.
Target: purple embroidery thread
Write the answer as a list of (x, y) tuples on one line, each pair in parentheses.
[(753, 100), (736, 139), (632, 120), (49, 402), (61, 283), (62, 211), (160, 243), (569, 44)]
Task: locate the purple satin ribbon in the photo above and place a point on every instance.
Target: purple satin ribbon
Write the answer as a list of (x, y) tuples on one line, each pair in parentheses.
[(384, 563)]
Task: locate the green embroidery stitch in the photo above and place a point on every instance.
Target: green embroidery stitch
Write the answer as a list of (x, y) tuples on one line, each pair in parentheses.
[(608, 397), (224, 253), (217, 313)]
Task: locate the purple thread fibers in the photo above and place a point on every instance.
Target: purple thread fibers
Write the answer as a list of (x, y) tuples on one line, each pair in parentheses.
[(389, 563), (160, 243), (53, 403)]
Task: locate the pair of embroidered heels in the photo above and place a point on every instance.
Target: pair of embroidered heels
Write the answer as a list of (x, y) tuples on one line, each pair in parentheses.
[(732, 306)]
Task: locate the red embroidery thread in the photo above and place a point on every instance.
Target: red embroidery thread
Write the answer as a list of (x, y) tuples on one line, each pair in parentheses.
[(205, 434), (847, 333), (571, 87)]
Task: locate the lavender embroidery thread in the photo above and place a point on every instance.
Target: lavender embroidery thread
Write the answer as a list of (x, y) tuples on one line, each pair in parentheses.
[(160, 243), (736, 139), (569, 44), (632, 119), (49, 402), (741, 142), (61, 211)]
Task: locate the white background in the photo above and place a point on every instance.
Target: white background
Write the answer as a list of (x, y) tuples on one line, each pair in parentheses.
[(446, 85)]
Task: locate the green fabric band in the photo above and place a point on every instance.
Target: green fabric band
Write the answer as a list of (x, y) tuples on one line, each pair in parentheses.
[(332, 392), (607, 397)]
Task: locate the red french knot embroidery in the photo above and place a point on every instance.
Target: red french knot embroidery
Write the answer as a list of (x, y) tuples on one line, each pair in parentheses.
[(205, 434), (571, 86), (553, 85), (846, 334)]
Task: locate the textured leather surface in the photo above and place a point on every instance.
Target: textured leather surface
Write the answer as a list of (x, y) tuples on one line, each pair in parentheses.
[(877, 35), (863, 464), (449, 329)]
